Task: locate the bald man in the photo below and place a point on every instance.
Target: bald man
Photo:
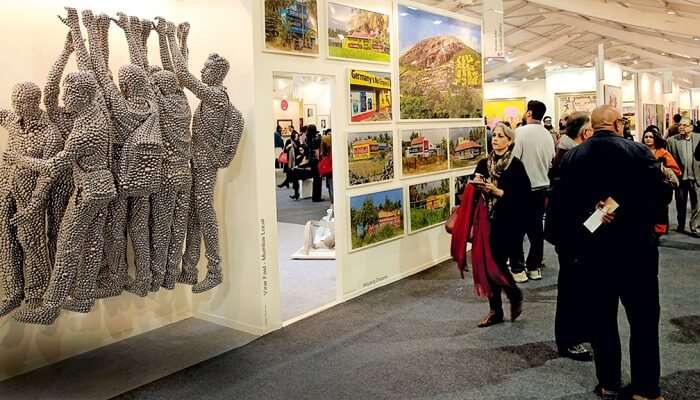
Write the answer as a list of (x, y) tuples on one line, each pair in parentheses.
[(621, 255)]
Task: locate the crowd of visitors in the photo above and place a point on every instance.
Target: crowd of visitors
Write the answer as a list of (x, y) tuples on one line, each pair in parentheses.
[(306, 155), (602, 201)]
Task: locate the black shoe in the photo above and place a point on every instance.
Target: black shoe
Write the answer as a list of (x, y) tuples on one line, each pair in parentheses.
[(578, 353), (294, 196), (492, 318), (680, 230), (607, 394)]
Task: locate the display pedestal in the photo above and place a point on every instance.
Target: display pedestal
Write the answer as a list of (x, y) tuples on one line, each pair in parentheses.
[(314, 254)]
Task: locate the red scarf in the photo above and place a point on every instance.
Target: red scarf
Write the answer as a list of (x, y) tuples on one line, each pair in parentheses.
[(473, 218)]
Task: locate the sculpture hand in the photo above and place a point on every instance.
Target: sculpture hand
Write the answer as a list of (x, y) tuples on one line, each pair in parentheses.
[(123, 21), (88, 18), (161, 26), (146, 25), (171, 28), (63, 20), (103, 21), (72, 17), (184, 29)]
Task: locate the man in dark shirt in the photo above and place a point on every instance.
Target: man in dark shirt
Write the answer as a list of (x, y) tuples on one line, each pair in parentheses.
[(622, 253)]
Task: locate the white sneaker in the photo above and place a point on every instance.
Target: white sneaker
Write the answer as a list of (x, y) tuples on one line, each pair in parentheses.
[(535, 274), (520, 277)]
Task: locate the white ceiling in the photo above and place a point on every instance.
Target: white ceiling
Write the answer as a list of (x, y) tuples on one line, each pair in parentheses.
[(645, 35)]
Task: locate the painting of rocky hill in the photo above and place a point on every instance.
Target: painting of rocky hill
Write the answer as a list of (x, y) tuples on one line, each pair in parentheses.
[(440, 68)]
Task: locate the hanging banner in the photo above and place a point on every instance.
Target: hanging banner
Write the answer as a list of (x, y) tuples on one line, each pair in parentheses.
[(668, 82), (494, 45)]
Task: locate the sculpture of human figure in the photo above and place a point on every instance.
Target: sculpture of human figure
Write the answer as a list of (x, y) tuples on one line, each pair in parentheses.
[(170, 206), (132, 110), (214, 117), (24, 259), (86, 150)]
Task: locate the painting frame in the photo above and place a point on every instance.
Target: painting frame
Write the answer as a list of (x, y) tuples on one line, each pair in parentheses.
[(378, 79), (328, 18), (324, 122), (264, 28), (349, 181), (423, 150), (557, 96), (453, 133), (613, 94), (440, 198), (310, 114), (513, 122), (353, 228), (648, 116), (285, 123), (412, 5)]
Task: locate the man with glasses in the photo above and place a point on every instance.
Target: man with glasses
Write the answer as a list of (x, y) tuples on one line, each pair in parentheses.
[(682, 147)]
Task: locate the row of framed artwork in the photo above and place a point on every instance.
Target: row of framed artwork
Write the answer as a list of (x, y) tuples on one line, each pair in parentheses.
[(440, 69), (378, 217), (423, 151)]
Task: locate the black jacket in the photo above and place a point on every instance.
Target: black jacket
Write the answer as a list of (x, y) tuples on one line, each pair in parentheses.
[(605, 166), (507, 222)]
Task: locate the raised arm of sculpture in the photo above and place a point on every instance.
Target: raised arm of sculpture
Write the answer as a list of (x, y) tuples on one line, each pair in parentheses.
[(203, 91), (103, 23), (116, 102), (146, 27), (162, 30), (183, 32), (81, 52), (53, 89)]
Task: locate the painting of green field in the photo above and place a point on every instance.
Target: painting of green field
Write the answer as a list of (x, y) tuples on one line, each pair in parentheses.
[(467, 146), (358, 34), (376, 217), (429, 203), (370, 157)]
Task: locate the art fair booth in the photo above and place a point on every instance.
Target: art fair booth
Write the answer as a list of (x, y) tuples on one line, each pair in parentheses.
[(399, 125)]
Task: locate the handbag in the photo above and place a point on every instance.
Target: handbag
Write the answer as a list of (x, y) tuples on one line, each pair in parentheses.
[(325, 166), (283, 158), (451, 220)]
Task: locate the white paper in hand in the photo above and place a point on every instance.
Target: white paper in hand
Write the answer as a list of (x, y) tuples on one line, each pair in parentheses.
[(596, 219)]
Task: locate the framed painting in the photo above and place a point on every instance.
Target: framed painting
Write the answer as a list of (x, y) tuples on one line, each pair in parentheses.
[(567, 103), (612, 96), (291, 27), (370, 157), (504, 110), (429, 204), (376, 218), (423, 151), (467, 146), (358, 34), (369, 96)]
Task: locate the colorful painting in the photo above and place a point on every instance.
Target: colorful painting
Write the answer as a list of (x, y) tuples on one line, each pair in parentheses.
[(649, 115), (423, 151), (370, 157), (567, 103), (287, 126), (291, 26), (502, 110), (467, 146), (376, 218), (613, 96), (370, 96), (630, 113), (440, 67), (429, 203), (460, 182), (358, 34)]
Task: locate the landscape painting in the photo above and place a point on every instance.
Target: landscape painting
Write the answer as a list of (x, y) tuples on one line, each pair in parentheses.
[(467, 146), (429, 203), (504, 110), (376, 218), (648, 115), (370, 96), (440, 66), (358, 34), (423, 151), (291, 26), (613, 96), (661, 117), (370, 157), (567, 103)]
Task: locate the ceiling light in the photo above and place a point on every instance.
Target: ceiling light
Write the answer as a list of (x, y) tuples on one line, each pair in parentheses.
[(565, 66), (403, 14), (696, 38), (663, 54), (437, 22), (670, 12), (635, 62), (549, 62), (524, 79)]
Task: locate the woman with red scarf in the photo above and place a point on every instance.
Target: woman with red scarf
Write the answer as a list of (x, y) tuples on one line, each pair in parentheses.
[(490, 217)]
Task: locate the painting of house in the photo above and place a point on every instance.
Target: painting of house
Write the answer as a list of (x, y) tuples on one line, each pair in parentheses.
[(423, 151), (429, 203), (467, 146), (358, 34), (292, 27), (370, 96), (370, 157), (376, 218)]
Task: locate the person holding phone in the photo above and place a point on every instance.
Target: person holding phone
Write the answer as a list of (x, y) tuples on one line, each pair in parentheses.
[(493, 216)]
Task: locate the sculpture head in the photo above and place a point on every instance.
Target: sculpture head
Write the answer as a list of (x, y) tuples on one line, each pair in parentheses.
[(166, 82), (215, 70), (133, 81), (78, 91), (26, 100)]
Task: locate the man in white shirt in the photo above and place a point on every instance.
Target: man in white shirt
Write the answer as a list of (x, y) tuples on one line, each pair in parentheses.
[(535, 148)]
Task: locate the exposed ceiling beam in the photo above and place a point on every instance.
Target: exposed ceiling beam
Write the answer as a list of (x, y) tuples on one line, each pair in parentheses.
[(631, 37), (530, 56), (627, 16), (663, 60), (664, 69)]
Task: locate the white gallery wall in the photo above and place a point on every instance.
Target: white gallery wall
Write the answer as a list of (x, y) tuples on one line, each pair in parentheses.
[(34, 37)]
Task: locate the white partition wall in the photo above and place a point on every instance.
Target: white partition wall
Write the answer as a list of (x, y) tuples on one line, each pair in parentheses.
[(33, 39)]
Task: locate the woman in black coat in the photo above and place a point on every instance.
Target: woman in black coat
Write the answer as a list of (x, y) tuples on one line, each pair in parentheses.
[(502, 180)]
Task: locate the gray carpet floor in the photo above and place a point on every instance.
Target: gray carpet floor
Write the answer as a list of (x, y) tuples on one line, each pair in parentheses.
[(299, 211), (417, 339)]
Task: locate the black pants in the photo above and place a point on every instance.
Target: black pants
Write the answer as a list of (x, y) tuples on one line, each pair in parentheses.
[(686, 189), (297, 175), (534, 229), (639, 293), (571, 325), (502, 251)]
